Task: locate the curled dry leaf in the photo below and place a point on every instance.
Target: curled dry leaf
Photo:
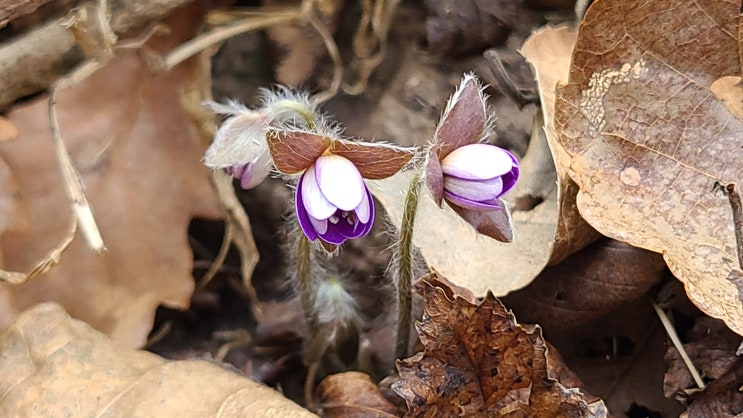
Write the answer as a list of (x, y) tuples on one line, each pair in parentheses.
[(353, 395), (55, 366), (138, 152), (549, 50), (647, 138), (478, 361), (588, 285)]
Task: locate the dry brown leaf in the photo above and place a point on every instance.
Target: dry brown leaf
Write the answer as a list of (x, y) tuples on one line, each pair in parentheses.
[(138, 152), (353, 395), (711, 347), (549, 50), (647, 138), (460, 26), (479, 362), (55, 366), (721, 398), (588, 285)]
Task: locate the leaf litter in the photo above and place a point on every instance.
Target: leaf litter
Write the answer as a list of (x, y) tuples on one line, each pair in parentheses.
[(561, 231)]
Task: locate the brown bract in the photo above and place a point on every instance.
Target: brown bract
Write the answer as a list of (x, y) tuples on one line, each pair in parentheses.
[(647, 138), (138, 151), (463, 123), (373, 160), (478, 361), (295, 151)]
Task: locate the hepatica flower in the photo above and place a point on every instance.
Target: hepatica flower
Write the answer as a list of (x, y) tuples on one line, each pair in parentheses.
[(332, 201), (471, 176), (240, 146)]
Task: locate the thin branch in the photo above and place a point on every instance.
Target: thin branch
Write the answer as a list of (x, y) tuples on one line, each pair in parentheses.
[(735, 203), (677, 343), (219, 259)]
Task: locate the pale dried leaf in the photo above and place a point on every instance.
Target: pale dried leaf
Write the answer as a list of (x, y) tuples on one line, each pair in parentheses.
[(138, 152), (55, 366), (8, 130), (549, 50), (648, 139)]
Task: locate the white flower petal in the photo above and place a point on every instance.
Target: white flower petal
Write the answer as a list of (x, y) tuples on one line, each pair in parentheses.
[(256, 172), (477, 162), (340, 181), (477, 190), (315, 203), (363, 210)]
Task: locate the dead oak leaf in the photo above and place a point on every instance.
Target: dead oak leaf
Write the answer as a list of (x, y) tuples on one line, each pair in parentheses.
[(138, 152), (479, 362), (647, 137)]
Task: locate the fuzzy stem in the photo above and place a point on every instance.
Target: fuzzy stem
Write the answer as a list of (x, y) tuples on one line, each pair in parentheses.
[(404, 273), (299, 108), (304, 281)]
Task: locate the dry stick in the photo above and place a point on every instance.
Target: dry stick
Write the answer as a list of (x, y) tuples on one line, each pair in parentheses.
[(370, 40), (32, 61), (259, 20), (677, 343), (201, 42), (219, 259), (222, 185), (72, 178), (404, 273), (735, 204)]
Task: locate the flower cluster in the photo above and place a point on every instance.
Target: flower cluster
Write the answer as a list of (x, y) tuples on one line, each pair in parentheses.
[(471, 176)]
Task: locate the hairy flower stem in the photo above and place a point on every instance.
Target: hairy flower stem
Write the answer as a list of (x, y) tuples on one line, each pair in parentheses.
[(305, 283), (404, 273), (299, 108)]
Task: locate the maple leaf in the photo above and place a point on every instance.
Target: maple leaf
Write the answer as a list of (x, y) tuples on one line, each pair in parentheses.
[(478, 361)]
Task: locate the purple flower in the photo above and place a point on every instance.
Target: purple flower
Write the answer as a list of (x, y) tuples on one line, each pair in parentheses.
[(471, 176), (476, 175), (333, 202)]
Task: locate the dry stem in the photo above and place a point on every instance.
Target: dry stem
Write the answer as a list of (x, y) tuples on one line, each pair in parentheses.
[(677, 343)]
